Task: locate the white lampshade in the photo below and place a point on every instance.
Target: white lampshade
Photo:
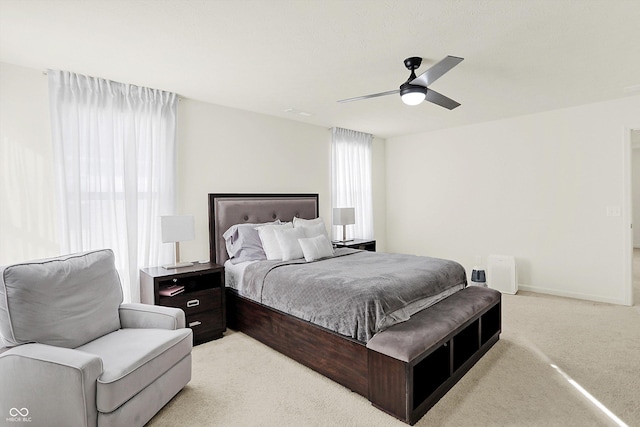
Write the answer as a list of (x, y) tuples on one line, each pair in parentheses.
[(177, 228), (344, 216)]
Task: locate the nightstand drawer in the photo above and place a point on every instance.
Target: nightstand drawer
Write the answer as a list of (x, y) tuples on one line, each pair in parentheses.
[(202, 299), (195, 302), (205, 325)]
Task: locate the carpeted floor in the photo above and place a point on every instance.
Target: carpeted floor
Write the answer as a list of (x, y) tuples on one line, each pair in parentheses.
[(239, 382)]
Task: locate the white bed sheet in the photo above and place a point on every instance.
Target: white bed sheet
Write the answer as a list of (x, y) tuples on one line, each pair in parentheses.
[(234, 274)]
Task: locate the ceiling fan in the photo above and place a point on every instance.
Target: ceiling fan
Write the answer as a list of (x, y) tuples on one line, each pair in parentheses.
[(415, 89)]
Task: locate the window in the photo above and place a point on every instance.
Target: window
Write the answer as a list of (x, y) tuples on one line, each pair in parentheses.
[(351, 179), (114, 152)]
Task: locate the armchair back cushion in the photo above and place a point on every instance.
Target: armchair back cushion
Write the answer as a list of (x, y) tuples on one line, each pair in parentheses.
[(65, 301)]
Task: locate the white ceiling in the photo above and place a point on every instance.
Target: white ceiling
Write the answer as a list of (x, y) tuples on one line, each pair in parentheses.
[(267, 56)]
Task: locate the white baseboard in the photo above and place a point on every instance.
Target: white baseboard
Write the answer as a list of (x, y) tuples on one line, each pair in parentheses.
[(575, 295)]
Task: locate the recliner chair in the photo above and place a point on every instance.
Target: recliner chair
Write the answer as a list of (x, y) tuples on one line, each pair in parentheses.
[(76, 355)]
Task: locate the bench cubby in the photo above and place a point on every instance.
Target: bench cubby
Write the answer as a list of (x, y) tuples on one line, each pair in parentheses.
[(432, 351)]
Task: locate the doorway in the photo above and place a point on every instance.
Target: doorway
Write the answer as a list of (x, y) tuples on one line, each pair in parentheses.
[(635, 215), (635, 297)]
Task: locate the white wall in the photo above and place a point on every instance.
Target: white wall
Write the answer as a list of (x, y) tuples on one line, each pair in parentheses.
[(536, 187), (379, 184), (224, 150), (28, 224), (219, 150)]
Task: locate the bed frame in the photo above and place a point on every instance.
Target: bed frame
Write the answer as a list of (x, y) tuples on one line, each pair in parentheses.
[(407, 388)]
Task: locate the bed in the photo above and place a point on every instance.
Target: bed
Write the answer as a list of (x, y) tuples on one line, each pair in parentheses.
[(403, 367)]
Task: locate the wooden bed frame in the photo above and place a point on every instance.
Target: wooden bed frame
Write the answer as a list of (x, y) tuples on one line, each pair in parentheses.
[(405, 389)]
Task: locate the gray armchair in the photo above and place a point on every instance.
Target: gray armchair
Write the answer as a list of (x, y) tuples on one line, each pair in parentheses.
[(76, 355)]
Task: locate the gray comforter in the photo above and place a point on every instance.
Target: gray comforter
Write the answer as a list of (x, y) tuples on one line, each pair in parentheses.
[(355, 293)]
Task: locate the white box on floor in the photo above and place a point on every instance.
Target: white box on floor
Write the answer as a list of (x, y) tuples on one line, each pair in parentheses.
[(502, 274)]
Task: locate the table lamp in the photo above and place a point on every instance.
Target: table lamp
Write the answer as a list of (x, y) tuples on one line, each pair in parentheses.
[(344, 217), (176, 229)]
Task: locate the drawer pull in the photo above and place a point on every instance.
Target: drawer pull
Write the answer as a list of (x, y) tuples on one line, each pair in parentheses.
[(193, 303), (196, 323)]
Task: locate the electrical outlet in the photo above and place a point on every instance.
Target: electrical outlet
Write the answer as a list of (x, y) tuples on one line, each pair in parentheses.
[(613, 211)]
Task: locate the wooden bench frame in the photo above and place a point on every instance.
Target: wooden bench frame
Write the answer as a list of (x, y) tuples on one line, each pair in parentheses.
[(408, 389)]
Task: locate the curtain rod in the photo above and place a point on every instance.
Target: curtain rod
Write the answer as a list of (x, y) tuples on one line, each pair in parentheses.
[(180, 97)]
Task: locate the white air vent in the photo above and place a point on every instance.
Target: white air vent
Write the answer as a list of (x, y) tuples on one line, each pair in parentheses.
[(501, 273)]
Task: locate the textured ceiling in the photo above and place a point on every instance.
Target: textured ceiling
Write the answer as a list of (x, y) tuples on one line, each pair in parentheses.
[(267, 56)]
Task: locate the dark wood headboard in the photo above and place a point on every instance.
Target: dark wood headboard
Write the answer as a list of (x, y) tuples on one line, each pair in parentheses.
[(226, 210)]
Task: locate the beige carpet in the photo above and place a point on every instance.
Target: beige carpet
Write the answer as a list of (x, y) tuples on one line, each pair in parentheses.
[(240, 382)]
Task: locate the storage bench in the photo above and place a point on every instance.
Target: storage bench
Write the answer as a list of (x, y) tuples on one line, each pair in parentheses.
[(413, 364)]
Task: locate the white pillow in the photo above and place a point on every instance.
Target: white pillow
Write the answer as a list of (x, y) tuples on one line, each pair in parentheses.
[(314, 230), (270, 241), (313, 227), (301, 222), (315, 248), (288, 240)]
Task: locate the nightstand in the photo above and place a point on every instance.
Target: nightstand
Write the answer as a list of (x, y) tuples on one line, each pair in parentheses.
[(202, 300), (367, 245)]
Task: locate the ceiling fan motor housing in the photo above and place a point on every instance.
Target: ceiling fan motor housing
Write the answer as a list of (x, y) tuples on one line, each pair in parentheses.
[(408, 87)]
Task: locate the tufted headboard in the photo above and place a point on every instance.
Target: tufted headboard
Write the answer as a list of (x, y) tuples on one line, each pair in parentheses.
[(226, 210)]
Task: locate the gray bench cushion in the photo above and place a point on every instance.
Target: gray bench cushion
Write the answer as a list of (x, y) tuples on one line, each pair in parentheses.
[(134, 358), (408, 340), (57, 301)]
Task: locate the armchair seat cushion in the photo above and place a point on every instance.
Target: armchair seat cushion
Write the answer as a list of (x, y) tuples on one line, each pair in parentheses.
[(134, 358)]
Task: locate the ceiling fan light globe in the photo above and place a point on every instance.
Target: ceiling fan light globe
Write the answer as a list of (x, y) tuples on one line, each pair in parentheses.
[(413, 98), (412, 94)]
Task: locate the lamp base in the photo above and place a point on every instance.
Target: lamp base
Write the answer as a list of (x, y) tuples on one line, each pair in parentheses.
[(178, 265)]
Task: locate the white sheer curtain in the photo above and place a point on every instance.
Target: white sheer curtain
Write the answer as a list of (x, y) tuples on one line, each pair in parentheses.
[(351, 179), (114, 148)]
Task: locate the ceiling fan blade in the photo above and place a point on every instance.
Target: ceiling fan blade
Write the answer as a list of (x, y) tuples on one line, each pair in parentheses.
[(436, 71), (441, 100), (375, 95)]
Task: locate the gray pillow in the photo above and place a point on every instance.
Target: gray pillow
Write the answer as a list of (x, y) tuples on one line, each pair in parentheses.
[(243, 243), (65, 301)]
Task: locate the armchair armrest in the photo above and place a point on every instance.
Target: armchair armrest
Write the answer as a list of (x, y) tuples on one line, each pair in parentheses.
[(148, 316), (56, 385)]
